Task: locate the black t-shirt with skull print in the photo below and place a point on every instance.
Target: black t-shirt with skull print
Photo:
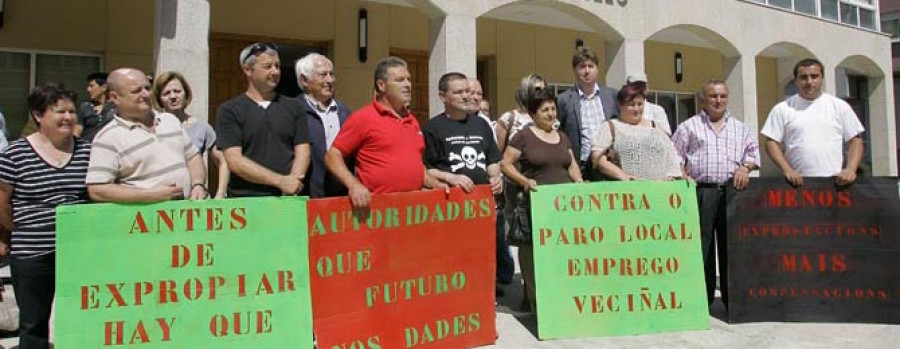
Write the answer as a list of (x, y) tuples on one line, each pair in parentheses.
[(462, 147)]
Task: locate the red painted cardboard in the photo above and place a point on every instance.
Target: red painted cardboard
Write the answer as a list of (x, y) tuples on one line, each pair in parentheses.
[(418, 272)]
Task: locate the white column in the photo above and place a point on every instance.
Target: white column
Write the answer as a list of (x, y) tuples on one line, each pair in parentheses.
[(882, 124), (740, 75), (181, 43), (623, 58), (453, 48)]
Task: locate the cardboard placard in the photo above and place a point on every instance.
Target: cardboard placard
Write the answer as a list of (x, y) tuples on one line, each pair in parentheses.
[(185, 274), (816, 253), (617, 258), (417, 272)]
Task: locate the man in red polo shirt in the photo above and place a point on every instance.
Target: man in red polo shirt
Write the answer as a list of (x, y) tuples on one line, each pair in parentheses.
[(385, 139)]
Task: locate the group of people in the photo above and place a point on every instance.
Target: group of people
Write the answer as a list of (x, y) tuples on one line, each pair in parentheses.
[(134, 142)]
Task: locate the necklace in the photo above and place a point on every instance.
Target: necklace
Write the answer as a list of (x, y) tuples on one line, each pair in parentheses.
[(51, 154)]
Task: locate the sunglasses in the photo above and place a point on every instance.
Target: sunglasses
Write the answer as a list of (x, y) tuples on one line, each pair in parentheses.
[(258, 48)]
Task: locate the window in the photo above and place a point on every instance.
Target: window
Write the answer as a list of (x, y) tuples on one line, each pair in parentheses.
[(679, 106), (891, 26), (859, 13), (805, 6), (830, 9), (558, 88), (781, 3), (866, 18), (23, 70), (848, 14)]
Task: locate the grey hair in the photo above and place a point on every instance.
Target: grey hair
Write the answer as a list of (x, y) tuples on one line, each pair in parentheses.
[(250, 60), (306, 65), (382, 67), (701, 96), (526, 90)]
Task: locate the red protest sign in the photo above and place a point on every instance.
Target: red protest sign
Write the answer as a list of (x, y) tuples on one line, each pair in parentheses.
[(417, 272)]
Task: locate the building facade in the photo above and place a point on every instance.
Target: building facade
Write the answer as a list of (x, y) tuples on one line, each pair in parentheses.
[(678, 44)]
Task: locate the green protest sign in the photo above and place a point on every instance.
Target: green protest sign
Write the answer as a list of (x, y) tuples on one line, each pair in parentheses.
[(617, 258), (183, 274)]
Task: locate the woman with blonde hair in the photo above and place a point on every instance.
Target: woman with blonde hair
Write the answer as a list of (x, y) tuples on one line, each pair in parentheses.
[(505, 128), (172, 94)]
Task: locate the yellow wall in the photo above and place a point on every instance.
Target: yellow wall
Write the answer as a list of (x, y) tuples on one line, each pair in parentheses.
[(409, 29), (700, 64), (309, 20), (768, 92), (511, 49), (54, 25), (521, 49), (121, 30), (333, 23), (126, 39), (355, 77), (129, 39), (767, 88)]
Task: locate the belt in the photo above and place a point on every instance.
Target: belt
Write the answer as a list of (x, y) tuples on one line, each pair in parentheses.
[(711, 185)]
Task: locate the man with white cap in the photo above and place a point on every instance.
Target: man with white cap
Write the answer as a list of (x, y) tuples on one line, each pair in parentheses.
[(652, 111)]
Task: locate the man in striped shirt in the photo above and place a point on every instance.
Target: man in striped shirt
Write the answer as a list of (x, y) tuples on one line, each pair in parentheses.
[(139, 156), (716, 150)]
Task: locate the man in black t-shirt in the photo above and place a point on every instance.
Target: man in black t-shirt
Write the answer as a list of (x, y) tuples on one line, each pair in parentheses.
[(263, 134), (96, 113), (460, 148)]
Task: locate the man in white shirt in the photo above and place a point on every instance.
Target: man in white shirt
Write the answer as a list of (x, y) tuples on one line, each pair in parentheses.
[(805, 133), (652, 112)]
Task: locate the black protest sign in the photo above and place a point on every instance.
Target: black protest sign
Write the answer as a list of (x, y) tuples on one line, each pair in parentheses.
[(819, 253)]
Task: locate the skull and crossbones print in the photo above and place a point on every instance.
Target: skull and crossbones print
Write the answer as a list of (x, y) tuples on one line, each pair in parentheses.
[(468, 158)]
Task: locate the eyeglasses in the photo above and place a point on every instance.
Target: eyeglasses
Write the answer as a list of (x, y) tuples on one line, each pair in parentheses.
[(258, 48)]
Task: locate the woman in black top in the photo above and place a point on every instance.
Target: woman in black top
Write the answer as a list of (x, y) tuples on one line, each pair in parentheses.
[(38, 173)]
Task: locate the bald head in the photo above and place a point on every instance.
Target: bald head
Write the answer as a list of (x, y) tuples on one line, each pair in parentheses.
[(118, 77), (129, 89)]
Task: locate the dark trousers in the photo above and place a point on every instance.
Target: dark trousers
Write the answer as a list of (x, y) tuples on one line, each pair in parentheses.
[(33, 282), (587, 171), (506, 266), (713, 230)]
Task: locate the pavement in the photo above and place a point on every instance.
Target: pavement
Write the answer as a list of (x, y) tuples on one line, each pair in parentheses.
[(517, 331)]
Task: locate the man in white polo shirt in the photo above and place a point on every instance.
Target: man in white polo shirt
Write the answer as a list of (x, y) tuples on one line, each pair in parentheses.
[(805, 133)]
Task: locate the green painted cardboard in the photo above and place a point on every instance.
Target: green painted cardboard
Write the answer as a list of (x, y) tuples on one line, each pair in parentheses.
[(123, 275), (648, 278)]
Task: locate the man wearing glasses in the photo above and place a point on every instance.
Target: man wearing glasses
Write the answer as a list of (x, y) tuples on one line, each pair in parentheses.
[(262, 133)]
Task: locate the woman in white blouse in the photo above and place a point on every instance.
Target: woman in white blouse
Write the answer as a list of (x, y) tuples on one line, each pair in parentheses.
[(632, 147)]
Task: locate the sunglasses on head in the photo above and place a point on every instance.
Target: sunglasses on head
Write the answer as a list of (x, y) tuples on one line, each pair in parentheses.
[(260, 47)]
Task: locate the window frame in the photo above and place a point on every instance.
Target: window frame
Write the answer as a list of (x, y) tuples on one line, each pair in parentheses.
[(856, 4), (32, 60), (32, 67), (677, 95)]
